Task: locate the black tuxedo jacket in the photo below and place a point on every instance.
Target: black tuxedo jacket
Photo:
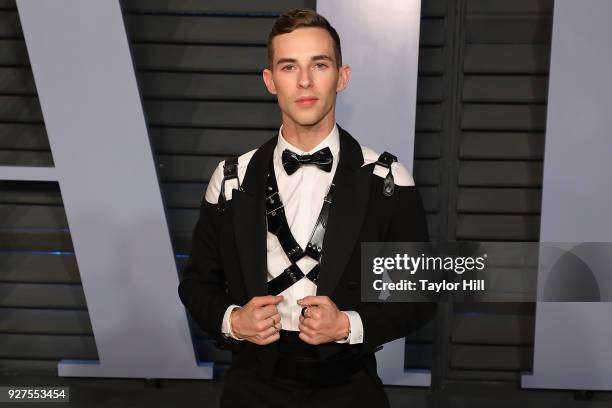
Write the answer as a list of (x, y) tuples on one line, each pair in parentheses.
[(228, 257)]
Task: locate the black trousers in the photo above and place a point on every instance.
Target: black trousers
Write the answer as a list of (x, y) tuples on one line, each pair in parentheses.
[(301, 381)]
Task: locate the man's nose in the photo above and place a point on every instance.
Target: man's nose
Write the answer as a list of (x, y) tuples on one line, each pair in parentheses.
[(304, 80)]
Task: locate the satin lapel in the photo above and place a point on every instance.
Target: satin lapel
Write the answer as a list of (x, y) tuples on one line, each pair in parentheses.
[(349, 205), (249, 216)]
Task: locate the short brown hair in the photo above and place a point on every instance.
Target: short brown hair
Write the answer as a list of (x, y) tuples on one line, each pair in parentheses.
[(301, 18)]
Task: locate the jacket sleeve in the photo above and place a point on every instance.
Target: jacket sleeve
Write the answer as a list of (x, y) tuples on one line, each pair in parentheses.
[(203, 288), (384, 322)]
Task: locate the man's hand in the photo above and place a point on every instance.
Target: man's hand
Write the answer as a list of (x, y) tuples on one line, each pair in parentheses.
[(258, 321), (324, 322)]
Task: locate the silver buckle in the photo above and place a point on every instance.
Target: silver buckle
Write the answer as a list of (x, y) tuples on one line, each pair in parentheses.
[(273, 212)]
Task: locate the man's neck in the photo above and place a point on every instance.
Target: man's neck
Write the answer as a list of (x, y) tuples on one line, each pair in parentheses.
[(306, 138)]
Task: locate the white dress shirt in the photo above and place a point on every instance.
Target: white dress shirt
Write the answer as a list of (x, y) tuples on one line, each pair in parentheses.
[(302, 195)]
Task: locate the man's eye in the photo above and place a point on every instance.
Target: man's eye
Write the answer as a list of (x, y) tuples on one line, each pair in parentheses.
[(320, 65), (288, 68)]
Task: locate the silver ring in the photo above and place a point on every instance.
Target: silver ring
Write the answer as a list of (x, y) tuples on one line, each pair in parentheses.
[(304, 310)]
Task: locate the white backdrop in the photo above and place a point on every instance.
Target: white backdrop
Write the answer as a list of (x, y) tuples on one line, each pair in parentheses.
[(380, 41), (573, 340)]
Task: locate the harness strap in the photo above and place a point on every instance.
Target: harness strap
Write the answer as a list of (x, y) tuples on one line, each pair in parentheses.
[(230, 171), (289, 276), (277, 220), (386, 160)]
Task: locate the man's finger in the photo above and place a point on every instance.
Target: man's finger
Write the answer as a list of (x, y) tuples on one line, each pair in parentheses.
[(268, 311), (270, 339), (314, 301), (269, 321), (309, 331), (276, 318), (305, 338), (266, 300), (314, 313), (310, 339), (267, 332), (306, 323)]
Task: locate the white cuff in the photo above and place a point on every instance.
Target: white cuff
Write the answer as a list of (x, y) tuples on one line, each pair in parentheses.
[(356, 327), (226, 327)]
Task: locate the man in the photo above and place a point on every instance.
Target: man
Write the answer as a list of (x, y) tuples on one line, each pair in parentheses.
[(274, 271)]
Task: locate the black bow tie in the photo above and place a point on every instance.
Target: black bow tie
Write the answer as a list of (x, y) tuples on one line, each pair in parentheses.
[(323, 159)]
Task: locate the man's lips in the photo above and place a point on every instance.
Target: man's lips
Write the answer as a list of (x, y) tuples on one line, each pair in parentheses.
[(306, 101)]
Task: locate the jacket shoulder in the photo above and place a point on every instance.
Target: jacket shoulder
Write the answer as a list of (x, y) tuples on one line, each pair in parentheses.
[(214, 185), (401, 175)]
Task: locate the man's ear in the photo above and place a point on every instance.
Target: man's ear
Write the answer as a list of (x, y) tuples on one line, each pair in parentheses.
[(344, 77), (267, 77)]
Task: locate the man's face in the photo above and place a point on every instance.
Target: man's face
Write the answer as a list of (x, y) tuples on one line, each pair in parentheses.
[(304, 75)]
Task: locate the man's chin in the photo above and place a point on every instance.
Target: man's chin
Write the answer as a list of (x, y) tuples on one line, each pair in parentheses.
[(308, 121)]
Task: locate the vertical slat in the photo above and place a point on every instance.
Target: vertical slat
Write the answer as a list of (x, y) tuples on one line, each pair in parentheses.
[(502, 92)]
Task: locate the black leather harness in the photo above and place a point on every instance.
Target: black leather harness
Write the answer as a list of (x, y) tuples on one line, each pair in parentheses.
[(277, 225), (277, 222)]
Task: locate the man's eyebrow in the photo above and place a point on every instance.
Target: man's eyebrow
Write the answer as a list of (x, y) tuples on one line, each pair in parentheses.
[(321, 57), (285, 60)]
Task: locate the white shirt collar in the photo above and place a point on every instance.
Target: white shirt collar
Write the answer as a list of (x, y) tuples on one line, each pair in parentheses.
[(332, 140)]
